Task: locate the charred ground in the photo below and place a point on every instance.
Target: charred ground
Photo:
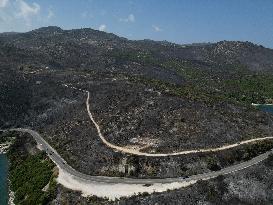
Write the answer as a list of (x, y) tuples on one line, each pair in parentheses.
[(158, 96)]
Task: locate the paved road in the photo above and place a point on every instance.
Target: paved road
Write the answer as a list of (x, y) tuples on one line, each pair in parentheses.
[(59, 161)]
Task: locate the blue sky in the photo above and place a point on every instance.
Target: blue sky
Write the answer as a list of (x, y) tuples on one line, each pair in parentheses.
[(180, 21)]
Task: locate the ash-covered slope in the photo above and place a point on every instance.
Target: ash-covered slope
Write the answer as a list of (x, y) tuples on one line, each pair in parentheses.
[(229, 70), (157, 95)]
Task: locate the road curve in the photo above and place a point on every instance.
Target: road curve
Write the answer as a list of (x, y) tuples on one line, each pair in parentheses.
[(139, 153), (61, 163)]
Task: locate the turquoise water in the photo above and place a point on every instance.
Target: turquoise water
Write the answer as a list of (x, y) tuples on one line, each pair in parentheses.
[(266, 108), (3, 179)]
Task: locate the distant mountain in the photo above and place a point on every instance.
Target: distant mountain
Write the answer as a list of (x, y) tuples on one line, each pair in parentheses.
[(228, 69), (256, 58), (86, 47)]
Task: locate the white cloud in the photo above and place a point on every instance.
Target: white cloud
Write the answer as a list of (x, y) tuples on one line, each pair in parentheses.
[(20, 15), (50, 14), (156, 28), (3, 3), (131, 18), (26, 10), (102, 27)]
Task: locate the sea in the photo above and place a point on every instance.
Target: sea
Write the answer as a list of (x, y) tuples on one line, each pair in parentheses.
[(3, 179), (266, 108)]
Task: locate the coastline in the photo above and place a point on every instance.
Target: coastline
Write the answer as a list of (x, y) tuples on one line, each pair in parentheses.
[(254, 104), (11, 197), (11, 194), (4, 148), (7, 197)]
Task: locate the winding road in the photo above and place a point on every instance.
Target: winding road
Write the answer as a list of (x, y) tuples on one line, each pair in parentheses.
[(139, 153), (60, 162)]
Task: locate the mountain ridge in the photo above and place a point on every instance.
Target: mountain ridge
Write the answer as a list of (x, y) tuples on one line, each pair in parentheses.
[(48, 40)]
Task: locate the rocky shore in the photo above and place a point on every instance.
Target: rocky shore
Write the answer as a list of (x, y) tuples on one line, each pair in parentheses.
[(4, 148), (11, 197)]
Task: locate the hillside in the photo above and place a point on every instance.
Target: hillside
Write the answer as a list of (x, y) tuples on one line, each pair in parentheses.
[(159, 97)]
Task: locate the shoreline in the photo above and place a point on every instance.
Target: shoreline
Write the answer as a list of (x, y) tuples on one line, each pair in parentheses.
[(11, 197), (11, 194), (254, 104), (4, 148)]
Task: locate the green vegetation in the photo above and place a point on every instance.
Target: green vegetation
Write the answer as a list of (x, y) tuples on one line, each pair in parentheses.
[(186, 70), (142, 57), (238, 86), (242, 86), (29, 174), (250, 88), (189, 91)]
